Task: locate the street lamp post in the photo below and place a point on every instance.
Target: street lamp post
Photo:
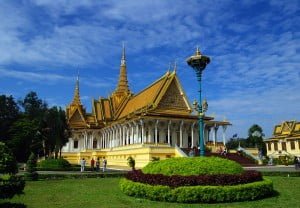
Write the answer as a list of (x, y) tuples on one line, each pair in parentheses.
[(198, 62)]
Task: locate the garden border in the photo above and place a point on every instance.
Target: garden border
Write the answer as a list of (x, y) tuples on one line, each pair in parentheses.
[(196, 194)]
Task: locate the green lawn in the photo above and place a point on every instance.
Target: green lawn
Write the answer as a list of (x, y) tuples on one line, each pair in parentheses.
[(105, 192)]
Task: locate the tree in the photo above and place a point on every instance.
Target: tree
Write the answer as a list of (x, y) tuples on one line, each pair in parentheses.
[(255, 138), (9, 113), (234, 143), (57, 132), (34, 108), (24, 138)]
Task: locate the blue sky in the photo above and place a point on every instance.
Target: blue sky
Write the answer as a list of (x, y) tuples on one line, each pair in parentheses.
[(253, 77)]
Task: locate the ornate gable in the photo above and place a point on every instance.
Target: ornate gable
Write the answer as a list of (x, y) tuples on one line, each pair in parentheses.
[(287, 128), (76, 119), (173, 98)]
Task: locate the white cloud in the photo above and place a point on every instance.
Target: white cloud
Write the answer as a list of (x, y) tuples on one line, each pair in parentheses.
[(255, 58)]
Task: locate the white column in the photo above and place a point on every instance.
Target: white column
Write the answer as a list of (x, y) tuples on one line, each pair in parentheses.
[(224, 134), (156, 124), (127, 135), (192, 134), (143, 131), (169, 126), (85, 140), (181, 142), (123, 135), (215, 133), (137, 131), (132, 134), (92, 139)]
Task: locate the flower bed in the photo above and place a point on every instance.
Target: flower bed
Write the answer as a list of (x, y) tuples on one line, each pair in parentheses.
[(177, 180), (200, 179), (193, 194)]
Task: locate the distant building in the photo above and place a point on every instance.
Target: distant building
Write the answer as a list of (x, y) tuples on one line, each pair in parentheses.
[(156, 122), (285, 140)]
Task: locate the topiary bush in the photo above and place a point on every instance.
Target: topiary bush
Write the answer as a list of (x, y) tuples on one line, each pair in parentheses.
[(193, 194), (54, 164), (131, 162), (10, 184), (200, 179), (193, 166)]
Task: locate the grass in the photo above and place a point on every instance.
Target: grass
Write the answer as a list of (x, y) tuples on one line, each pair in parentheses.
[(105, 192)]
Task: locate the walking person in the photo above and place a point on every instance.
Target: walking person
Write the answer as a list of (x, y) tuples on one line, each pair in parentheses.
[(296, 162), (92, 164), (98, 165), (82, 164), (104, 164)]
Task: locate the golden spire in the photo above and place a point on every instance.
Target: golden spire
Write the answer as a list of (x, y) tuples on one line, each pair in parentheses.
[(123, 82), (76, 99)]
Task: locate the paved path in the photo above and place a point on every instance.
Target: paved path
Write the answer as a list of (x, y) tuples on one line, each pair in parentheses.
[(277, 168), (117, 169)]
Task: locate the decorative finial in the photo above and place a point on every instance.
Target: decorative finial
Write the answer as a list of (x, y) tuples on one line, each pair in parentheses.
[(169, 67), (198, 51), (77, 73), (175, 66), (123, 59)]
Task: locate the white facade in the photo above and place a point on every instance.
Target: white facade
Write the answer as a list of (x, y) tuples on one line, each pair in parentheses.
[(184, 134)]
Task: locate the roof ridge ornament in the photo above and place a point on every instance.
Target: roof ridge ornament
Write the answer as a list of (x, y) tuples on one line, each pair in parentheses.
[(175, 65)]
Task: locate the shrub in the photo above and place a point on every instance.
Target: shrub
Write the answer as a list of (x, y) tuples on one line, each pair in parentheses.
[(131, 162), (193, 194), (31, 168), (54, 164), (153, 159), (10, 185), (193, 166), (177, 180), (8, 163)]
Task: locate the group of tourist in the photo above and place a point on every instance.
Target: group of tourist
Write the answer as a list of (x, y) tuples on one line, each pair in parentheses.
[(95, 165)]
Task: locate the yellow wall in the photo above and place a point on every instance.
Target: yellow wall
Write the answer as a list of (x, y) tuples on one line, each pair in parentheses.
[(142, 153), (272, 151)]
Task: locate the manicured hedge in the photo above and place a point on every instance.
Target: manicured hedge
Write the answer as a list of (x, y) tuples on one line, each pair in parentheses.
[(193, 194), (10, 185), (54, 164), (193, 166), (177, 180)]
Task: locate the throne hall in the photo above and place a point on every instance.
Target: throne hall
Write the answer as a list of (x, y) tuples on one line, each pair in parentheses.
[(156, 122)]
